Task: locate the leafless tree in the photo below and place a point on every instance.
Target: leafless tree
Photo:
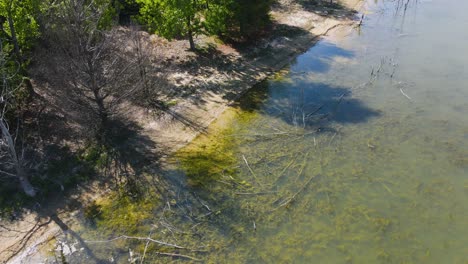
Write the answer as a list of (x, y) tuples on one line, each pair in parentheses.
[(94, 76), (11, 156)]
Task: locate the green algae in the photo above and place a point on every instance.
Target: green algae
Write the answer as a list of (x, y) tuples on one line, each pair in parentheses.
[(119, 213), (391, 189)]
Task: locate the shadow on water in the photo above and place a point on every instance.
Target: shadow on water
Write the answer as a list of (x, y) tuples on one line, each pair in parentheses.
[(208, 202), (319, 59), (307, 104)]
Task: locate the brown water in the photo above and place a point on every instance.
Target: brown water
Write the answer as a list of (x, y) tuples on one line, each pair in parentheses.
[(357, 153)]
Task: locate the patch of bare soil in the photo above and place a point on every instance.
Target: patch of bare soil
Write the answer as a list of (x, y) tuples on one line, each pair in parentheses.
[(194, 88)]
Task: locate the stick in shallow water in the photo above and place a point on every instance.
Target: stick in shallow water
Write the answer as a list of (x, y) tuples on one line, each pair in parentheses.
[(251, 171), (409, 98), (297, 193)]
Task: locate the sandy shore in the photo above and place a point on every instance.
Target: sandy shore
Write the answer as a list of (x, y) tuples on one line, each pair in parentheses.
[(212, 91)]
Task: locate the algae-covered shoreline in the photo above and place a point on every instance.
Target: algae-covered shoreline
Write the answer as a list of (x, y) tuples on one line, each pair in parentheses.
[(170, 135), (327, 162)]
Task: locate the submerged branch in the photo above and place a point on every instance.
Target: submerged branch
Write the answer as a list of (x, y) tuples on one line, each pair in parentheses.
[(137, 238), (251, 171), (402, 92), (175, 255), (288, 201)]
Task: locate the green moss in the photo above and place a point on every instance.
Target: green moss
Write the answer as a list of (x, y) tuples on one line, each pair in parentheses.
[(207, 162), (212, 156), (120, 213)]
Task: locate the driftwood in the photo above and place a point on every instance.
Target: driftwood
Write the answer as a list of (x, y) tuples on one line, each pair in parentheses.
[(290, 199), (402, 92), (175, 255), (251, 171), (138, 238), (256, 193)]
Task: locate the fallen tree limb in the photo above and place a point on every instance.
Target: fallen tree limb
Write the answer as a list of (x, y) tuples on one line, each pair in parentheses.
[(402, 92), (137, 238), (251, 171), (175, 255), (290, 199), (257, 193)]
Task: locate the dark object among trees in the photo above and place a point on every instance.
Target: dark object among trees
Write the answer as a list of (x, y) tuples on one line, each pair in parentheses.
[(237, 19)]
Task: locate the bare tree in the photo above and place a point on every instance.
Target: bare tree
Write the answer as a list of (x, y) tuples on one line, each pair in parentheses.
[(12, 160), (94, 75)]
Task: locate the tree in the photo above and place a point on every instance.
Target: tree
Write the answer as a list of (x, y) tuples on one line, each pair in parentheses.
[(125, 10), (94, 76), (173, 18), (12, 161), (238, 19), (20, 28)]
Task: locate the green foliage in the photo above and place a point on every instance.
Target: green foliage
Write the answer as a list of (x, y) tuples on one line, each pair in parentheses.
[(237, 19), (172, 18), (120, 213), (89, 14), (227, 18), (208, 161), (24, 15), (126, 10)]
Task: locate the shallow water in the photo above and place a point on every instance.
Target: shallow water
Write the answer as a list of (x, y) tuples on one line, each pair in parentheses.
[(357, 153)]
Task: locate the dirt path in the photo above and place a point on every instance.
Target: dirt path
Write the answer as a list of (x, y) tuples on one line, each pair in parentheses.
[(209, 86)]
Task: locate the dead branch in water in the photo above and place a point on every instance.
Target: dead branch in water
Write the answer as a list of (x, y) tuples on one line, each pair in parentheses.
[(303, 165), (290, 199), (138, 238), (402, 92), (284, 170), (146, 248), (251, 171), (361, 20), (174, 255), (257, 193)]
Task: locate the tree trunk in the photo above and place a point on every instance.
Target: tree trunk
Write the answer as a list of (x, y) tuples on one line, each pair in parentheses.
[(24, 182), (14, 39), (20, 174), (190, 34), (19, 57), (103, 117), (99, 100)]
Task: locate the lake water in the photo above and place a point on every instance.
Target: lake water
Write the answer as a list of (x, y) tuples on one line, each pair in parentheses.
[(356, 153)]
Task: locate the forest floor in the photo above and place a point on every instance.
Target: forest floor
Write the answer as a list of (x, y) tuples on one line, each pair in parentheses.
[(196, 88)]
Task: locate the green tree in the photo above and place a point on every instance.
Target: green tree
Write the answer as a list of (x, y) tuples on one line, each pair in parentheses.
[(173, 18), (239, 19), (19, 28)]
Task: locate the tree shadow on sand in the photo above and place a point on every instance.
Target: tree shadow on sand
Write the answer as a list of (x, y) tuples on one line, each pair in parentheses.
[(324, 8)]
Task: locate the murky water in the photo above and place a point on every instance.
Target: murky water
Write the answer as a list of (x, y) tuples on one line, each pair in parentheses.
[(358, 153)]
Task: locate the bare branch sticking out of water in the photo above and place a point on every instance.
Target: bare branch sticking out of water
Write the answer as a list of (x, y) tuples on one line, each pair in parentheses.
[(403, 93), (361, 20), (146, 248)]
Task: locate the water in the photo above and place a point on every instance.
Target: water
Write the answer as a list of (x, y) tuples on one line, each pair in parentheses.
[(357, 153)]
